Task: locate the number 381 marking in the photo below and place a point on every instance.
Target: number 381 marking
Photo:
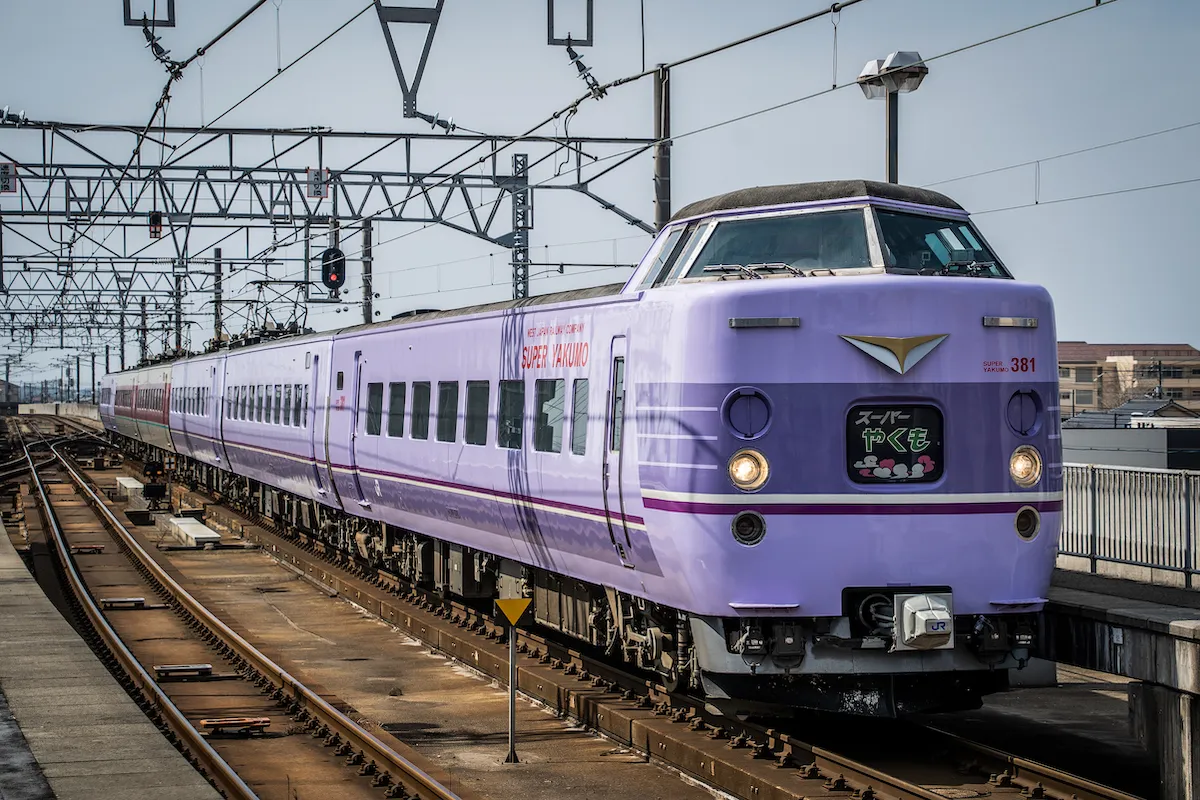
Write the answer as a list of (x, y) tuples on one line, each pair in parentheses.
[(1023, 364)]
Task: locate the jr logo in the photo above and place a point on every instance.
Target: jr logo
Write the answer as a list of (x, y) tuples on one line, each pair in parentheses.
[(937, 625)]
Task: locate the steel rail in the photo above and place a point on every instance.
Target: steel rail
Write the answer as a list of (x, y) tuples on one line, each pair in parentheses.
[(227, 780), (370, 746), (1008, 770)]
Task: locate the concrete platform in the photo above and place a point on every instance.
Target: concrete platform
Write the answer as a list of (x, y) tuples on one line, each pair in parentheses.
[(67, 728)]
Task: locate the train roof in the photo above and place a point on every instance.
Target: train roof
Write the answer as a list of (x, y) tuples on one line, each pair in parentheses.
[(790, 193)]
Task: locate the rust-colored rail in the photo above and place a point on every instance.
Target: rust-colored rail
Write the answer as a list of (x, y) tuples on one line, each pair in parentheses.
[(225, 778), (389, 766)]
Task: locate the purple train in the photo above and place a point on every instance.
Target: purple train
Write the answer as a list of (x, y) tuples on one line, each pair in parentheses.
[(808, 456)]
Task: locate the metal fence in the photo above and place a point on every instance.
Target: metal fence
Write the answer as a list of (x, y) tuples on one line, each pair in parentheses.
[(1131, 515)]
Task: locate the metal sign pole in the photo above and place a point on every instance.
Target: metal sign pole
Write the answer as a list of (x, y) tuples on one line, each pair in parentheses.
[(512, 697), (512, 609)]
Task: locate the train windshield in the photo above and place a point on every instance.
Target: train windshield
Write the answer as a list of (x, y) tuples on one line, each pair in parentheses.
[(791, 244), (923, 245)]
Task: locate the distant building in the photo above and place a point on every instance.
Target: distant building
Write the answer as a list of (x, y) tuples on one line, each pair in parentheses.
[(1100, 377), (1140, 433)]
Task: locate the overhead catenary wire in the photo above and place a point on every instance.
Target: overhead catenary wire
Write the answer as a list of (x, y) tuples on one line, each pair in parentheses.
[(769, 109)]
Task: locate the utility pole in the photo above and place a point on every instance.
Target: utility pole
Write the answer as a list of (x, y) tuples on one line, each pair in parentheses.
[(662, 148), (178, 292), (7, 390), (78, 380), (121, 335), (522, 211), (368, 306), (93, 389), (107, 362), (217, 322), (142, 333)]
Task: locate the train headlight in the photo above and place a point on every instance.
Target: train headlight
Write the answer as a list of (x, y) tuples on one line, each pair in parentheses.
[(1025, 466), (748, 469)]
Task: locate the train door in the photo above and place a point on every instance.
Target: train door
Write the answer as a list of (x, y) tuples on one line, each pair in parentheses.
[(313, 390), (614, 428), (218, 413), (355, 413)]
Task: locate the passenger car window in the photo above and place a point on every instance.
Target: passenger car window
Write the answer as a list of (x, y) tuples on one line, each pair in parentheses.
[(447, 420), (551, 399), (278, 401), (477, 412), (297, 420), (511, 416), (287, 404), (395, 409), (420, 410), (579, 417), (374, 408)]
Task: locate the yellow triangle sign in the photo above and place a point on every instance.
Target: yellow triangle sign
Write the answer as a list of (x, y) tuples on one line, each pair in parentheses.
[(514, 607)]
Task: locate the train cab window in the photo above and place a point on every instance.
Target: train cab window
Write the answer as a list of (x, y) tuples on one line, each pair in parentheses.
[(340, 380), (664, 259), (477, 412), (915, 243), (447, 413), (616, 418), (374, 408), (740, 248), (420, 410), (297, 420), (511, 414), (278, 401), (551, 401), (579, 417), (396, 409)]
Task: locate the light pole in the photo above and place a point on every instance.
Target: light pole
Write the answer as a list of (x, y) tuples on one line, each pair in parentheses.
[(887, 78)]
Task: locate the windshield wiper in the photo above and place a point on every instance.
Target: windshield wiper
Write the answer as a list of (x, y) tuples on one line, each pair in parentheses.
[(734, 269), (974, 269), (751, 270)]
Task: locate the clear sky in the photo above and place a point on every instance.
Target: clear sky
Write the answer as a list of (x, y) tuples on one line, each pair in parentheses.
[(1114, 263)]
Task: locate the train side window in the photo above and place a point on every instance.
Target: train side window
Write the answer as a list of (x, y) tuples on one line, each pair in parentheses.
[(396, 409), (511, 416), (551, 402), (297, 420), (340, 380), (617, 413), (447, 413), (420, 410), (579, 417), (305, 405), (258, 404), (374, 408), (278, 401), (267, 404), (287, 404), (477, 412)]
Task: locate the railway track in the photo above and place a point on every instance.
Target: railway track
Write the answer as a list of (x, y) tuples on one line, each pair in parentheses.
[(217, 698), (745, 759)]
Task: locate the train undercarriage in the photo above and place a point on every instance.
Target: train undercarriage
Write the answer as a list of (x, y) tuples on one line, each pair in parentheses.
[(759, 658)]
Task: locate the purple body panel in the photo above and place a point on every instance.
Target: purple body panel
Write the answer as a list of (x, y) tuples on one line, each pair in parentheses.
[(659, 526)]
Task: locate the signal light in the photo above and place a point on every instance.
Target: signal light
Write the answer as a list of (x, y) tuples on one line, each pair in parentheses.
[(156, 224), (333, 269)]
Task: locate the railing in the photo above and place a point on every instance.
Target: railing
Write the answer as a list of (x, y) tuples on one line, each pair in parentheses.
[(1134, 516)]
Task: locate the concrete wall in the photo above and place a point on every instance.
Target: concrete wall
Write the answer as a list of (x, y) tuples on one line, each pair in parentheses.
[(1123, 447), (83, 410)]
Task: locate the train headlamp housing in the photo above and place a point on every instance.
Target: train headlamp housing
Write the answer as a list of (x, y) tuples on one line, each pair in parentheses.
[(749, 470), (1025, 466)]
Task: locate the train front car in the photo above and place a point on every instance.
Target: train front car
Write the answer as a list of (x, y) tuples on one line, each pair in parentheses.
[(851, 439)]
